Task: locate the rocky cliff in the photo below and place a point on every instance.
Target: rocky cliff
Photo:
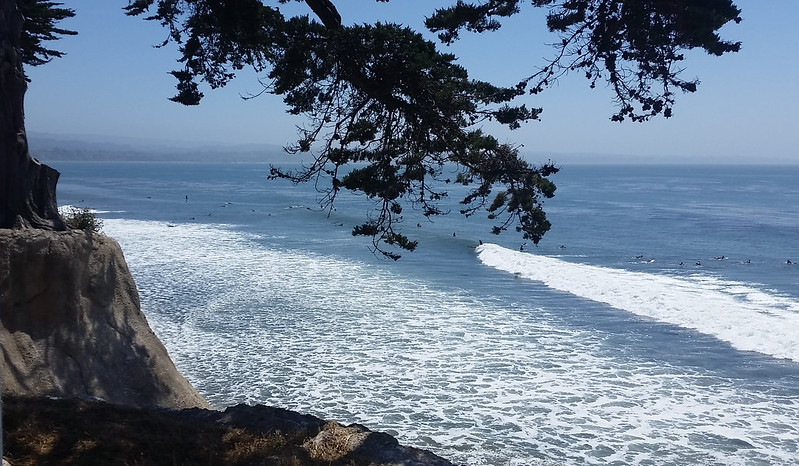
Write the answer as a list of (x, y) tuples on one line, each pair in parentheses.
[(72, 326), (72, 329)]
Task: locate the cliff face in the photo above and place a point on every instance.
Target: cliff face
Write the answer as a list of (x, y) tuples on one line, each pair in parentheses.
[(72, 326)]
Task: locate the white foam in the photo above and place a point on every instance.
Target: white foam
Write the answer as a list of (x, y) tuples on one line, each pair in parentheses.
[(69, 208), (746, 317), (66, 209), (476, 382)]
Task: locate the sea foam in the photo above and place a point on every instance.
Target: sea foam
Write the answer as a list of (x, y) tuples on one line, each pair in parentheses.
[(748, 318), (479, 381)]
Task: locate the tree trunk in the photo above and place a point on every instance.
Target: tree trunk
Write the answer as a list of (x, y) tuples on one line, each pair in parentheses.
[(27, 187)]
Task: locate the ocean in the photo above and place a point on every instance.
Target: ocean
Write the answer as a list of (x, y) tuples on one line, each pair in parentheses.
[(657, 323)]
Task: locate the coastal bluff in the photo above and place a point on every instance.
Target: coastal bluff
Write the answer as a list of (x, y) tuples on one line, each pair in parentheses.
[(72, 326), (86, 381)]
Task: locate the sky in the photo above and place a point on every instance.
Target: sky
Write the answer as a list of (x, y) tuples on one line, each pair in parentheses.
[(113, 85)]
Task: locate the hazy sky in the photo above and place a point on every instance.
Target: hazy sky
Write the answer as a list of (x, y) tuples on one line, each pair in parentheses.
[(114, 83)]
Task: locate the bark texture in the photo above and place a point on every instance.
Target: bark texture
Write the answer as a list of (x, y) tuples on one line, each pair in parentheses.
[(27, 187)]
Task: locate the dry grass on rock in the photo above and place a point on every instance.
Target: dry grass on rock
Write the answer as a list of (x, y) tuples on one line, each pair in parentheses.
[(67, 432), (44, 431)]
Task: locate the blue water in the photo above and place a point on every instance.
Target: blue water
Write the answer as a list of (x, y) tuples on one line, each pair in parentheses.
[(596, 347)]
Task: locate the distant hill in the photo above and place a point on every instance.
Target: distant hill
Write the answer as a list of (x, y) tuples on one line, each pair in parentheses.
[(47, 147)]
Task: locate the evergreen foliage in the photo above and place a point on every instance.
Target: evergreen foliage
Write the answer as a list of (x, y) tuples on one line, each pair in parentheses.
[(39, 25), (82, 218), (384, 98), (634, 45)]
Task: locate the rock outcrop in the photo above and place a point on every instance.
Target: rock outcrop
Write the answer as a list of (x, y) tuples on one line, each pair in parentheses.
[(326, 442), (72, 326), (66, 432)]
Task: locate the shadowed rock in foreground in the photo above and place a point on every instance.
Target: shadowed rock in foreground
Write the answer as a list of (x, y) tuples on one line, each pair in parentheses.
[(71, 432)]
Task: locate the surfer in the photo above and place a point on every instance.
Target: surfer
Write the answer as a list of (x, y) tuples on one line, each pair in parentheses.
[(698, 263)]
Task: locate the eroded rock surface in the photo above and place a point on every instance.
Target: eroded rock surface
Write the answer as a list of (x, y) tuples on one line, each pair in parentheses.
[(72, 326)]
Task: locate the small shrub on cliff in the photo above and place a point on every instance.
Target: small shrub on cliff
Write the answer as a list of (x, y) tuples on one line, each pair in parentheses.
[(82, 218)]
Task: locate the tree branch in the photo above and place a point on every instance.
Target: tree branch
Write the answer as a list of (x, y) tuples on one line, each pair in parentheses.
[(326, 12)]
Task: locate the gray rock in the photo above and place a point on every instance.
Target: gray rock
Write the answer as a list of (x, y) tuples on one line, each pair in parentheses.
[(72, 326)]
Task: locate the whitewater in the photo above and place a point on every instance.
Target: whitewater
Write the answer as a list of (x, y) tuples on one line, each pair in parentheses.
[(572, 352), (748, 318), (470, 378)]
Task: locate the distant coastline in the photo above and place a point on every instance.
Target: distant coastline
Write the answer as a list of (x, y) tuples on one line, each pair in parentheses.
[(88, 148), (50, 148)]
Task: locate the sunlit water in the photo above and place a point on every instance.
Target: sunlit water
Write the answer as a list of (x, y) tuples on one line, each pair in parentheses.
[(581, 354)]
